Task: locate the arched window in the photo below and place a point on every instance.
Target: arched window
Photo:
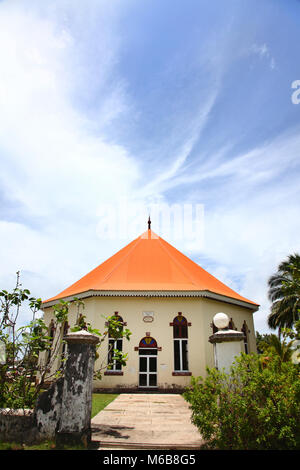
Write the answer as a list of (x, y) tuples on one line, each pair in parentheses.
[(115, 344), (231, 325), (148, 342), (180, 327), (51, 331), (246, 332), (214, 328), (51, 334), (64, 344), (180, 339)]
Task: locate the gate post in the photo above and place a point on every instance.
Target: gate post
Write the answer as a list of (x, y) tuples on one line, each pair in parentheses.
[(227, 343), (75, 418)]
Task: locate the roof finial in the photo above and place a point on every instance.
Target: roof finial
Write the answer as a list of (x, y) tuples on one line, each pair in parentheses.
[(149, 223)]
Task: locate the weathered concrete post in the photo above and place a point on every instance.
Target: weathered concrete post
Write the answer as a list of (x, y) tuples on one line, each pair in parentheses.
[(227, 343), (75, 418)]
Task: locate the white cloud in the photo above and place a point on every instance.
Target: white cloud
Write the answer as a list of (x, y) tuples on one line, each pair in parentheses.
[(176, 166), (263, 51), (43, 135), (57, 163), (52, 161), (254, 221)]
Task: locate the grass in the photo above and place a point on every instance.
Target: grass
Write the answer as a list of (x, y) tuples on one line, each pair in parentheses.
[(99, 402), (47, 445)]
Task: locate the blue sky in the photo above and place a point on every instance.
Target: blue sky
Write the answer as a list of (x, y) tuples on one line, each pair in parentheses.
[(148, 102)]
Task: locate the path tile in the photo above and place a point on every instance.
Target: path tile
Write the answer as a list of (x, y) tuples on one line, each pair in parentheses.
[(142, 420)]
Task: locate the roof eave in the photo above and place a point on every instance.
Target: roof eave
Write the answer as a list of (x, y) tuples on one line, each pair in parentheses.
[(153, 293)]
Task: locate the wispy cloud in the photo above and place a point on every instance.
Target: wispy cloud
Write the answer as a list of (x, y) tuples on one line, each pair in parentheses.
[(263, 52), (177, 162), (254, 222), (260, 165), (185, 112), (46, 139), (53, 161)]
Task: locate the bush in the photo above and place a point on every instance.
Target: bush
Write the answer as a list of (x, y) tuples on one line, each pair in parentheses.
[(255, 406), (36, 353)]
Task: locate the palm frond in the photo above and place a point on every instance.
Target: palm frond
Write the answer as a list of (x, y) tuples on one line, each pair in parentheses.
[(284, 293)]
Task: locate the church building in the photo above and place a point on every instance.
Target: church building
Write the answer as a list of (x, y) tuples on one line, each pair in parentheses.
[(168, 302)]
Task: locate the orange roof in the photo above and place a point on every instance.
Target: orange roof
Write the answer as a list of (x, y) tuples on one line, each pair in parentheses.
[(149, 263)]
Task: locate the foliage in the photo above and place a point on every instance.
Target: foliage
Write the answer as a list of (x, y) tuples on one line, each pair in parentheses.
[(22, 347), (293, 333), (282, 349), (33, 351), (284, 293), (270, 344), (115, 329), (262, 342), (255, 406)]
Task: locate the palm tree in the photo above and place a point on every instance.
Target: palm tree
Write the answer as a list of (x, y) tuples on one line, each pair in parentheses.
[(284, 293), (283, 349)]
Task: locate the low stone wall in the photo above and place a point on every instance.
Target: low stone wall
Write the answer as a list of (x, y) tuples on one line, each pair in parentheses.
[(29, 426), (18, 426), (63, 412)]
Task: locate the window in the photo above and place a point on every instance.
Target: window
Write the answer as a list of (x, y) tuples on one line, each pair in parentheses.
[(64, 345), (115, 344), (51, 331), (51, 334), (180, 338), (214, 328), (246, 332)]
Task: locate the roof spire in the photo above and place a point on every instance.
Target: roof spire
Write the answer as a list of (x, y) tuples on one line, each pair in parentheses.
[(149, 223)]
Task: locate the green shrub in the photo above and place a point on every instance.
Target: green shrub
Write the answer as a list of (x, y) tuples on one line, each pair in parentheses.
[(30, 355), (255, 406)]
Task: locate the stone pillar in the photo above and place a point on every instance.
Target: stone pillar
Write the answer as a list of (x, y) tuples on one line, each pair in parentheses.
[(227, 343), (75, 418)]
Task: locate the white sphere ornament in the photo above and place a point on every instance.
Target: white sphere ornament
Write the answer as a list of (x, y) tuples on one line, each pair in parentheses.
[(221, 320)]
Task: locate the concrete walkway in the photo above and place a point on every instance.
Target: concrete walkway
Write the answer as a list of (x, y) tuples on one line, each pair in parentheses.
[(146, 421)]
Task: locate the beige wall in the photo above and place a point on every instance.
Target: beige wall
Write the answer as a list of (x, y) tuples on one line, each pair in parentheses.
[(198, 311)]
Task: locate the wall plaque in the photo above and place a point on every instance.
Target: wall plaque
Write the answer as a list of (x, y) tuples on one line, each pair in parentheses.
[(148, 317)]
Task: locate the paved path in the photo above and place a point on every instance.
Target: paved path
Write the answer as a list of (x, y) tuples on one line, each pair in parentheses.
[(146, 421)]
